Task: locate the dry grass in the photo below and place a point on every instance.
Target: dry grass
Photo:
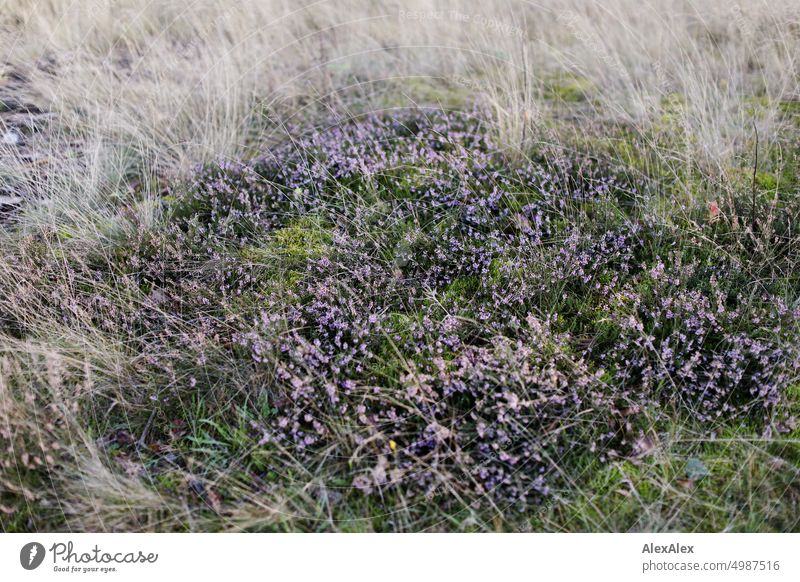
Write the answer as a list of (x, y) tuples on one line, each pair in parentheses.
[(182, 82), (142, 91)]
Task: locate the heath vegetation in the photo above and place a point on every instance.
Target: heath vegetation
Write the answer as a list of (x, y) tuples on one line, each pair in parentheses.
[(399, 266)]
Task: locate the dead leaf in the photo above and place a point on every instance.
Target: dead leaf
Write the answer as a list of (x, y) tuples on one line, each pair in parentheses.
[(643, 446), (215, 500), (713, 212)]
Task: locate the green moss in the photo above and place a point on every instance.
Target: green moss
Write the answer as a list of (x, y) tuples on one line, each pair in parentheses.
[(767, 181), (568, 89), (304, 239), (462, 289), (279, 260), (425, 90), (791, 111)]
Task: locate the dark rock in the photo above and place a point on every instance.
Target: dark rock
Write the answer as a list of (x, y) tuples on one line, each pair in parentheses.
[(13, 105)]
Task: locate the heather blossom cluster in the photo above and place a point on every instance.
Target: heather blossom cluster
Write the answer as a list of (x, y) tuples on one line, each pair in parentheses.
[(462, 308), (680, 330), (429, 317)]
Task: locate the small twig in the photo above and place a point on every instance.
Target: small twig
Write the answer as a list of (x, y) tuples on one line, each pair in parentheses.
[(755, 170), (140, 442)]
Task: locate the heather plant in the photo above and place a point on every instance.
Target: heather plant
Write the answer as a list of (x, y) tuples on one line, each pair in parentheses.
[(391, 311)]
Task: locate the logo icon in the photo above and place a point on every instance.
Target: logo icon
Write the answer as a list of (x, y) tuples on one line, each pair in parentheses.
[(31, 555)]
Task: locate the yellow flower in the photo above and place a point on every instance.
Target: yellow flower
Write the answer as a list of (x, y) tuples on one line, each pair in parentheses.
[(392, 445)]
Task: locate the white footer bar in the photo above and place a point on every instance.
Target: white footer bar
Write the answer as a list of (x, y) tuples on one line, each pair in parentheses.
[(401, 557)]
